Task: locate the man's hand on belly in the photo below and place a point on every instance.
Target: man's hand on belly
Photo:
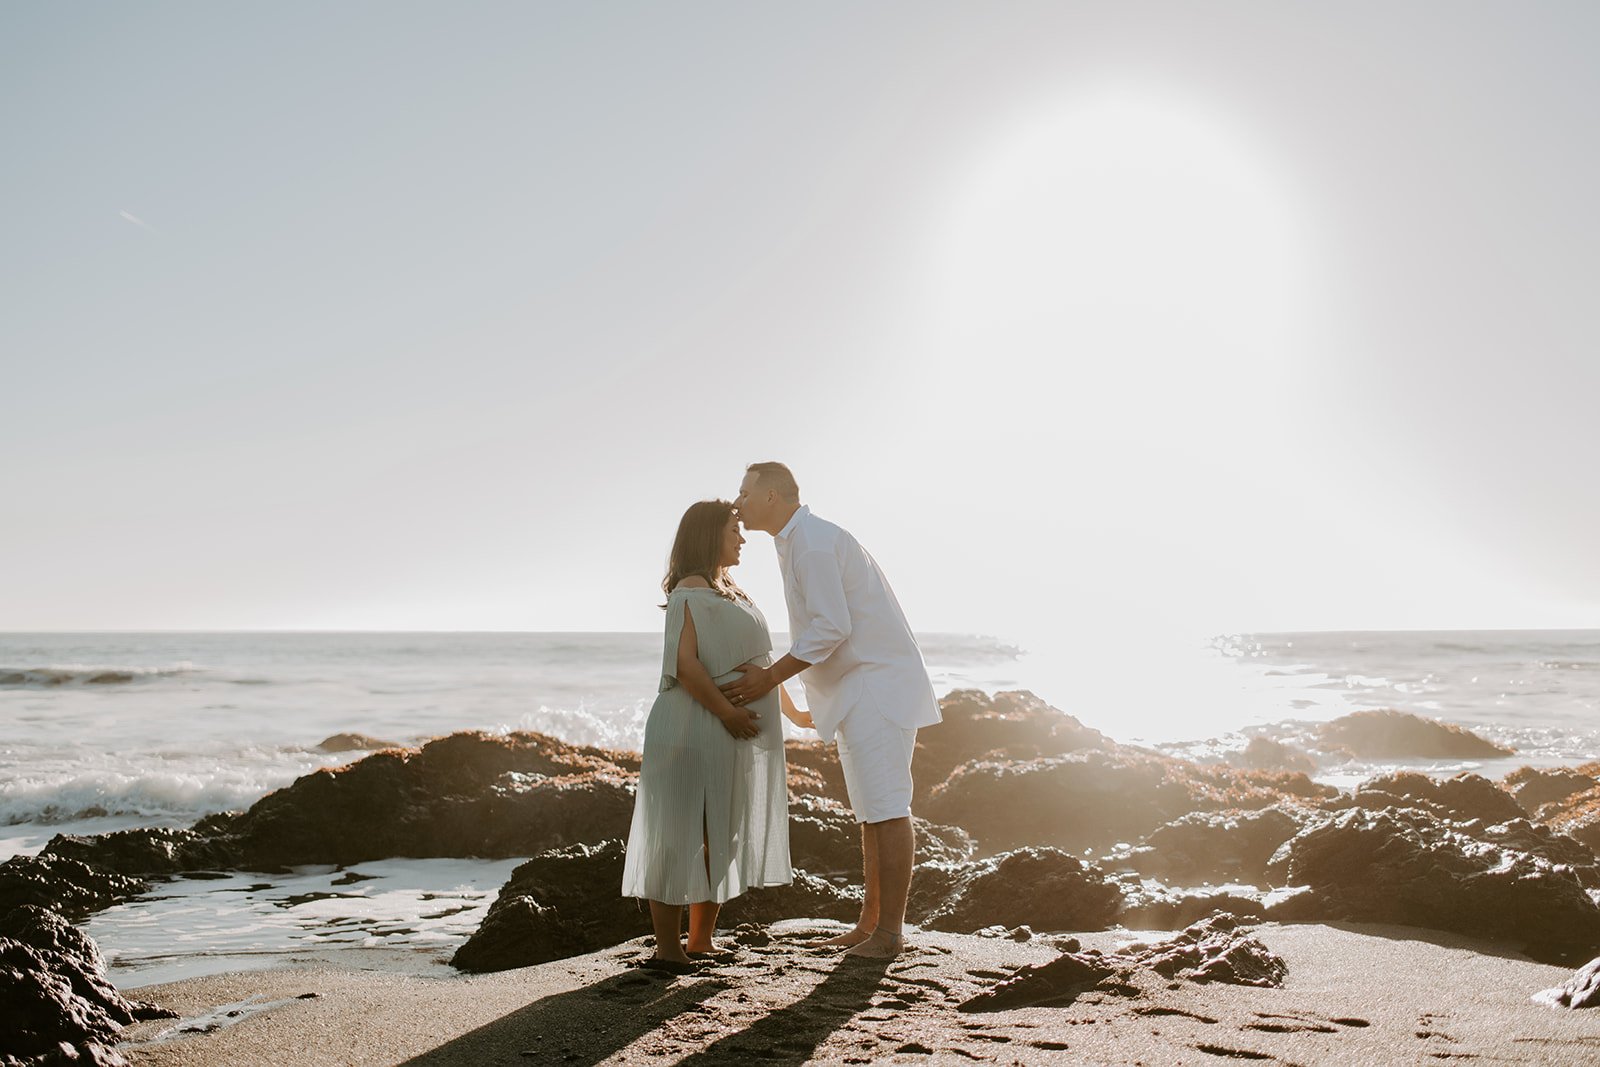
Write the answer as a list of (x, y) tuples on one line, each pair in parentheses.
[(754, 682)]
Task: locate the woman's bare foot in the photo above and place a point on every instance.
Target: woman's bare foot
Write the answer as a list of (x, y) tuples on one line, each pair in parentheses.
[(879, 946), (848, 939)]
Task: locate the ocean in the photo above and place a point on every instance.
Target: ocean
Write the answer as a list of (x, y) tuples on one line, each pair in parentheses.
[(103, 731)]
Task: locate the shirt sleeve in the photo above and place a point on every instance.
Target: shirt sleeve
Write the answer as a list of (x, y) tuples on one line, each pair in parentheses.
[(826, 612)]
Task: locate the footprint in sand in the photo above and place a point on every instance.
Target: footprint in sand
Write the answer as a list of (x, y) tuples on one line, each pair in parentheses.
[(1174, 1011)]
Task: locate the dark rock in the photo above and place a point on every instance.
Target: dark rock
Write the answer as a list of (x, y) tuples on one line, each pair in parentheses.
[(68, 886), (1265, 754), (1231, 846), (1216, 950), (563, 902), (1152, 906), (1390, 734), (1577, 816), (825, 839), (1053, 984), (1009, 725), (808, 896), (1533, 789), (145, 852), (468, 794), (1096, 799), (54, 992), (1042, 888), (354, 743), (1406, 866), (1013, 725), (1466, 796), (1582, 990)]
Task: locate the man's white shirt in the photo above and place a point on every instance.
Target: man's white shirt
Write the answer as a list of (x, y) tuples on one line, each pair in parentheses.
[(845, 622)]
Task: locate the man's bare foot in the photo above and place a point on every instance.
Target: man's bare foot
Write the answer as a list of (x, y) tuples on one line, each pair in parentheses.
[(848, 939), (879, 946)]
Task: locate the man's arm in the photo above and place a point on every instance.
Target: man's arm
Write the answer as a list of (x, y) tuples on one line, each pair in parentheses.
[(827, 613)]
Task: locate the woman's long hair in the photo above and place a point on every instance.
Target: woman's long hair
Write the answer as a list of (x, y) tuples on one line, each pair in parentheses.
[(697, 549)]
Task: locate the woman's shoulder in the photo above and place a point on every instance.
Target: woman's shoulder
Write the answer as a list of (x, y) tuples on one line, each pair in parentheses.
[(691, 583)]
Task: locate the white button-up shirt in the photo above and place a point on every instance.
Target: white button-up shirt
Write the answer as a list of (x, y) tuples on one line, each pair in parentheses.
[(845, 622)]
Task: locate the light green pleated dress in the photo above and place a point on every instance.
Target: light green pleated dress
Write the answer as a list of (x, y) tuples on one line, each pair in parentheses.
[(698, 784)]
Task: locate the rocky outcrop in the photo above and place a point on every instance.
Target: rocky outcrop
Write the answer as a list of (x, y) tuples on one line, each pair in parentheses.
[(1533, 789), (54, 992), (1389, 734), (1014, 725), (69, 886), (1216, 950), (565, 902), (468, 794), (1150, 905), (354, 743), (1464, 797), (1042, 888), (1265, 754), (1577, 816), (825, 839), (1582, 990), (1407, 866), (149, 852), (1099, 798), (1214, 846)]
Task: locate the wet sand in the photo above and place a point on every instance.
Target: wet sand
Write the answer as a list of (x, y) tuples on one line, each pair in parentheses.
[(1354, 995)]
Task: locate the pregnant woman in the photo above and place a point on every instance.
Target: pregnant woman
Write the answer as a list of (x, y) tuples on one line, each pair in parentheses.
[(711, 816)]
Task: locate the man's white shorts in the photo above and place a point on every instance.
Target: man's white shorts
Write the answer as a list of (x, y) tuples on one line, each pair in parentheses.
[(876, 757)]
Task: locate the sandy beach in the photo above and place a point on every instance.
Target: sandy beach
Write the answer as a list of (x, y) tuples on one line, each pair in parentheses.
[(1355, 994)]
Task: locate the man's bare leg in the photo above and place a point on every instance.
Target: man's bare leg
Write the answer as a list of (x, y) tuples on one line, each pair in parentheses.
[(869, 903), (896, 843)]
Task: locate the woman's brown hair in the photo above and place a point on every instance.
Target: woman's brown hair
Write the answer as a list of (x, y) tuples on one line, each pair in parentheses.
[(697, 549)]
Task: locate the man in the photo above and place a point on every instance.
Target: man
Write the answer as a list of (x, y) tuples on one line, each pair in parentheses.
[(864, 679)]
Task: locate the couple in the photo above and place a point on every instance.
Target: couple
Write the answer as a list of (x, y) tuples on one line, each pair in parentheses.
[(711, 816)]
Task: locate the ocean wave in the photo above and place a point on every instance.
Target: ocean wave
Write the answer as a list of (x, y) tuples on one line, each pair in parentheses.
[(156, 795), (57, 675)]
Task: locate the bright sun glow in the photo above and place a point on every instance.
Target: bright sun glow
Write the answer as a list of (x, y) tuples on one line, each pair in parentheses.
[(1113, 299)]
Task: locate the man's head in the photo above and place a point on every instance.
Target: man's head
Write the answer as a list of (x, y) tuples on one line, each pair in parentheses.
[(767, 497)]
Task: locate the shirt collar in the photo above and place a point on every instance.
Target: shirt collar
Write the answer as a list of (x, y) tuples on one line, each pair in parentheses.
[(794, 520)]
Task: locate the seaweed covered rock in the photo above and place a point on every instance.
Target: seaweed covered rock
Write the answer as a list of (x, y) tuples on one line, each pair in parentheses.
[(468, 794), (1533, 789), (1407, 866), (1042, 888), (1464, 797), (1096, 799), (1576, 815), (1390, 734)]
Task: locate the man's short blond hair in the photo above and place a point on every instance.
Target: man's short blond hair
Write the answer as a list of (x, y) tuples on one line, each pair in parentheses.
[(778, 478)]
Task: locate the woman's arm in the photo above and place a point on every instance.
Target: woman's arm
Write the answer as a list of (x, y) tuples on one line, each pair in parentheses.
[(792, 713), (692, 675)]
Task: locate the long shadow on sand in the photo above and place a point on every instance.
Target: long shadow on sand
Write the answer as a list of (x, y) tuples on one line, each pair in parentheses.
[(792, 1034), (580, 1027)]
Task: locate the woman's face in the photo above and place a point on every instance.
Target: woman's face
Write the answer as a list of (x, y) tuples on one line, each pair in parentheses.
[(731, 540)]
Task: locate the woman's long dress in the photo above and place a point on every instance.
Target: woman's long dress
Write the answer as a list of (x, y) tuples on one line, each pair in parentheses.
[(702, 792)]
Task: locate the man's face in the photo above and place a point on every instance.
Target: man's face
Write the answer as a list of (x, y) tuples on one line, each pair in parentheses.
[(753, 503)]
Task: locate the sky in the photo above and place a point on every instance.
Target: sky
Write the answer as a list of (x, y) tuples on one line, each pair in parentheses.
[(1092, 321)]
